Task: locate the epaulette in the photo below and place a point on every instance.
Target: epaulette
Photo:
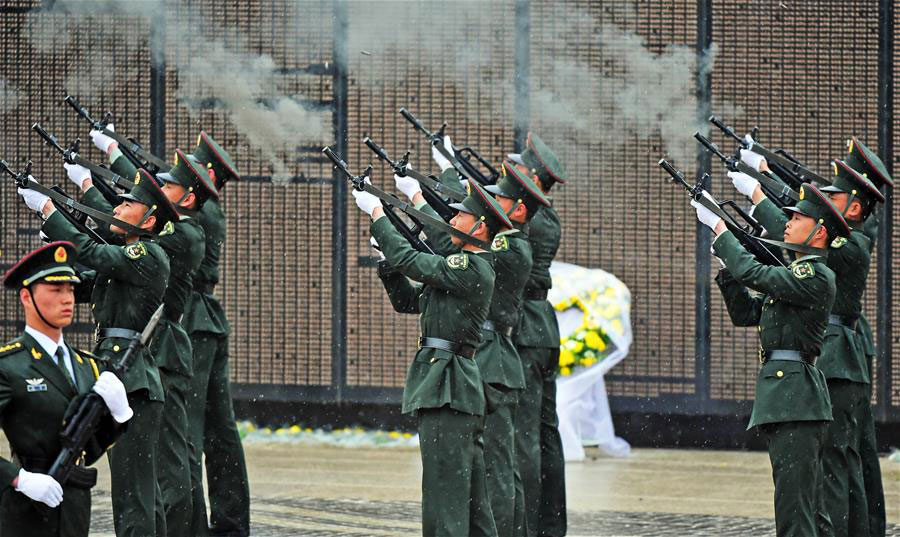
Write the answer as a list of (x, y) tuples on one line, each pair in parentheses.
[(95, 361), (11, 348)]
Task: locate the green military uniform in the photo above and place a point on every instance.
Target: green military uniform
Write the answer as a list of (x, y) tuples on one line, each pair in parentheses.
[(865, 161), (210, 408), (185, 244), (444, 387), (36, 392), (538, 444), (842, 360), (791, 405), (130, 283)]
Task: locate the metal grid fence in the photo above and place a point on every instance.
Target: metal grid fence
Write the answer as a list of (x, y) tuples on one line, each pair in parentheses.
[(310, 320)]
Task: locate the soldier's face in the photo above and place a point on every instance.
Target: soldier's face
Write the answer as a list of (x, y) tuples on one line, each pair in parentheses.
[(174, 194), (798, 228), (463, 222), (56, 303), (519, 212), (840, 200), (132, 213)]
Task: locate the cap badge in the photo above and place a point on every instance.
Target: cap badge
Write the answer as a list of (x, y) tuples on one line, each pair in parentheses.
[(60, 255)]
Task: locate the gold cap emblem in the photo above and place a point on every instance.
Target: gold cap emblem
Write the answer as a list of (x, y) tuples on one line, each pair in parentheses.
[(60, 255)]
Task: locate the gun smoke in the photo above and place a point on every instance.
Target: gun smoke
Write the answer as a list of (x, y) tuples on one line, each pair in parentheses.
[(213, 69)]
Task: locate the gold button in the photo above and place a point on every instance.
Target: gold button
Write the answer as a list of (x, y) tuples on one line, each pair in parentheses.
[(779, 374), (116, 349)]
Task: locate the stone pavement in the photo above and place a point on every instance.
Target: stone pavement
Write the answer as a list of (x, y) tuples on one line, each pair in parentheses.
[(324, 491)]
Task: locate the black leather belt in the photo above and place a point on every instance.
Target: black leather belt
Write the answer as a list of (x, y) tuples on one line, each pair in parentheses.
[(459, 349), (504, 330), (840, 320), (105, 333), (787, 355), (535, 294), (204, 288), (80, 477)]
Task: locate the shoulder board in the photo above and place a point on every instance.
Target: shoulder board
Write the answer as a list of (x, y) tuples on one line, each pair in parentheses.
[(804, 270), (135, 250), (501, 243), (168, 229), (838, 242), (10, 348), (458, 261)]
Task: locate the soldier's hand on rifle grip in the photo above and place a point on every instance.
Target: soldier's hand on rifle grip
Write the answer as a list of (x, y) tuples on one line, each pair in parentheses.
[(705, 216), (368, 203), (35, 200), (112, 391), (754, 160), (442, 161), (78, 175), (102, 141), (39, 487), (744, 184), (409, 186)]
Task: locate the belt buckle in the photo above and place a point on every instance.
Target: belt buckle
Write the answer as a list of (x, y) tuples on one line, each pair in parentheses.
[(762, 356), (97, 334), (420, 341)]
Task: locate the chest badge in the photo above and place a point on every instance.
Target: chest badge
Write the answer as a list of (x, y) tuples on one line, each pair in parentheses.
[(35, 385)]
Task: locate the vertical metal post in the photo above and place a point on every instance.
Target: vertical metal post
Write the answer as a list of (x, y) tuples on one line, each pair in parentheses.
[(885, 297), (338, 204), (704, 240), (156, 43), (523, 72)]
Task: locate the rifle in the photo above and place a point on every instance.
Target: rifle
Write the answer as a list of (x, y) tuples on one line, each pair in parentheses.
[(748, 233), (389, 201), (781, 162), (430, 185), (461, 159), (99, 174), (24, 180), (75, 217), (84, 423), (774, 188), (132, 150)]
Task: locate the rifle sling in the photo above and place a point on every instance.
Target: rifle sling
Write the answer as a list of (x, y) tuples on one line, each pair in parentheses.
[(90, 211), (395, 202)]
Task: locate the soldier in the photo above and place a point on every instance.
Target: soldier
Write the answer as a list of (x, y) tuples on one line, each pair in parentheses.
[(210, 408), (842, 360), (129, 286), (865, 161), (791, 406), (496, 357), (443, 384), (211, 417), (40, 377), (187, 186), (538, 444)]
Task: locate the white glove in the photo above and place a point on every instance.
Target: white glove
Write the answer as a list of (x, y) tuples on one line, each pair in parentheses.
[(40, 488), (744, 184), (365, 201), (749, 140), (442, 162), (33, 199), (705, 216), (409, 186), (464, 183), (515, 157), (77, 174), (754, 160), (111, 389), (101, 140), (377, 248)]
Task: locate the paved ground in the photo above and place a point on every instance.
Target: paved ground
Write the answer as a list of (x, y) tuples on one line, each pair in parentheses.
[(332, 492)]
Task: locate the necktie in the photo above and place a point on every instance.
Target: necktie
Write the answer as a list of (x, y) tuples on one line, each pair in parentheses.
[(61, 362)]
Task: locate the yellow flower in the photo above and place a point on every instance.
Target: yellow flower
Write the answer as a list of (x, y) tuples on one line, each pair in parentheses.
[(594, 341), (566, 357), (565, 371)]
